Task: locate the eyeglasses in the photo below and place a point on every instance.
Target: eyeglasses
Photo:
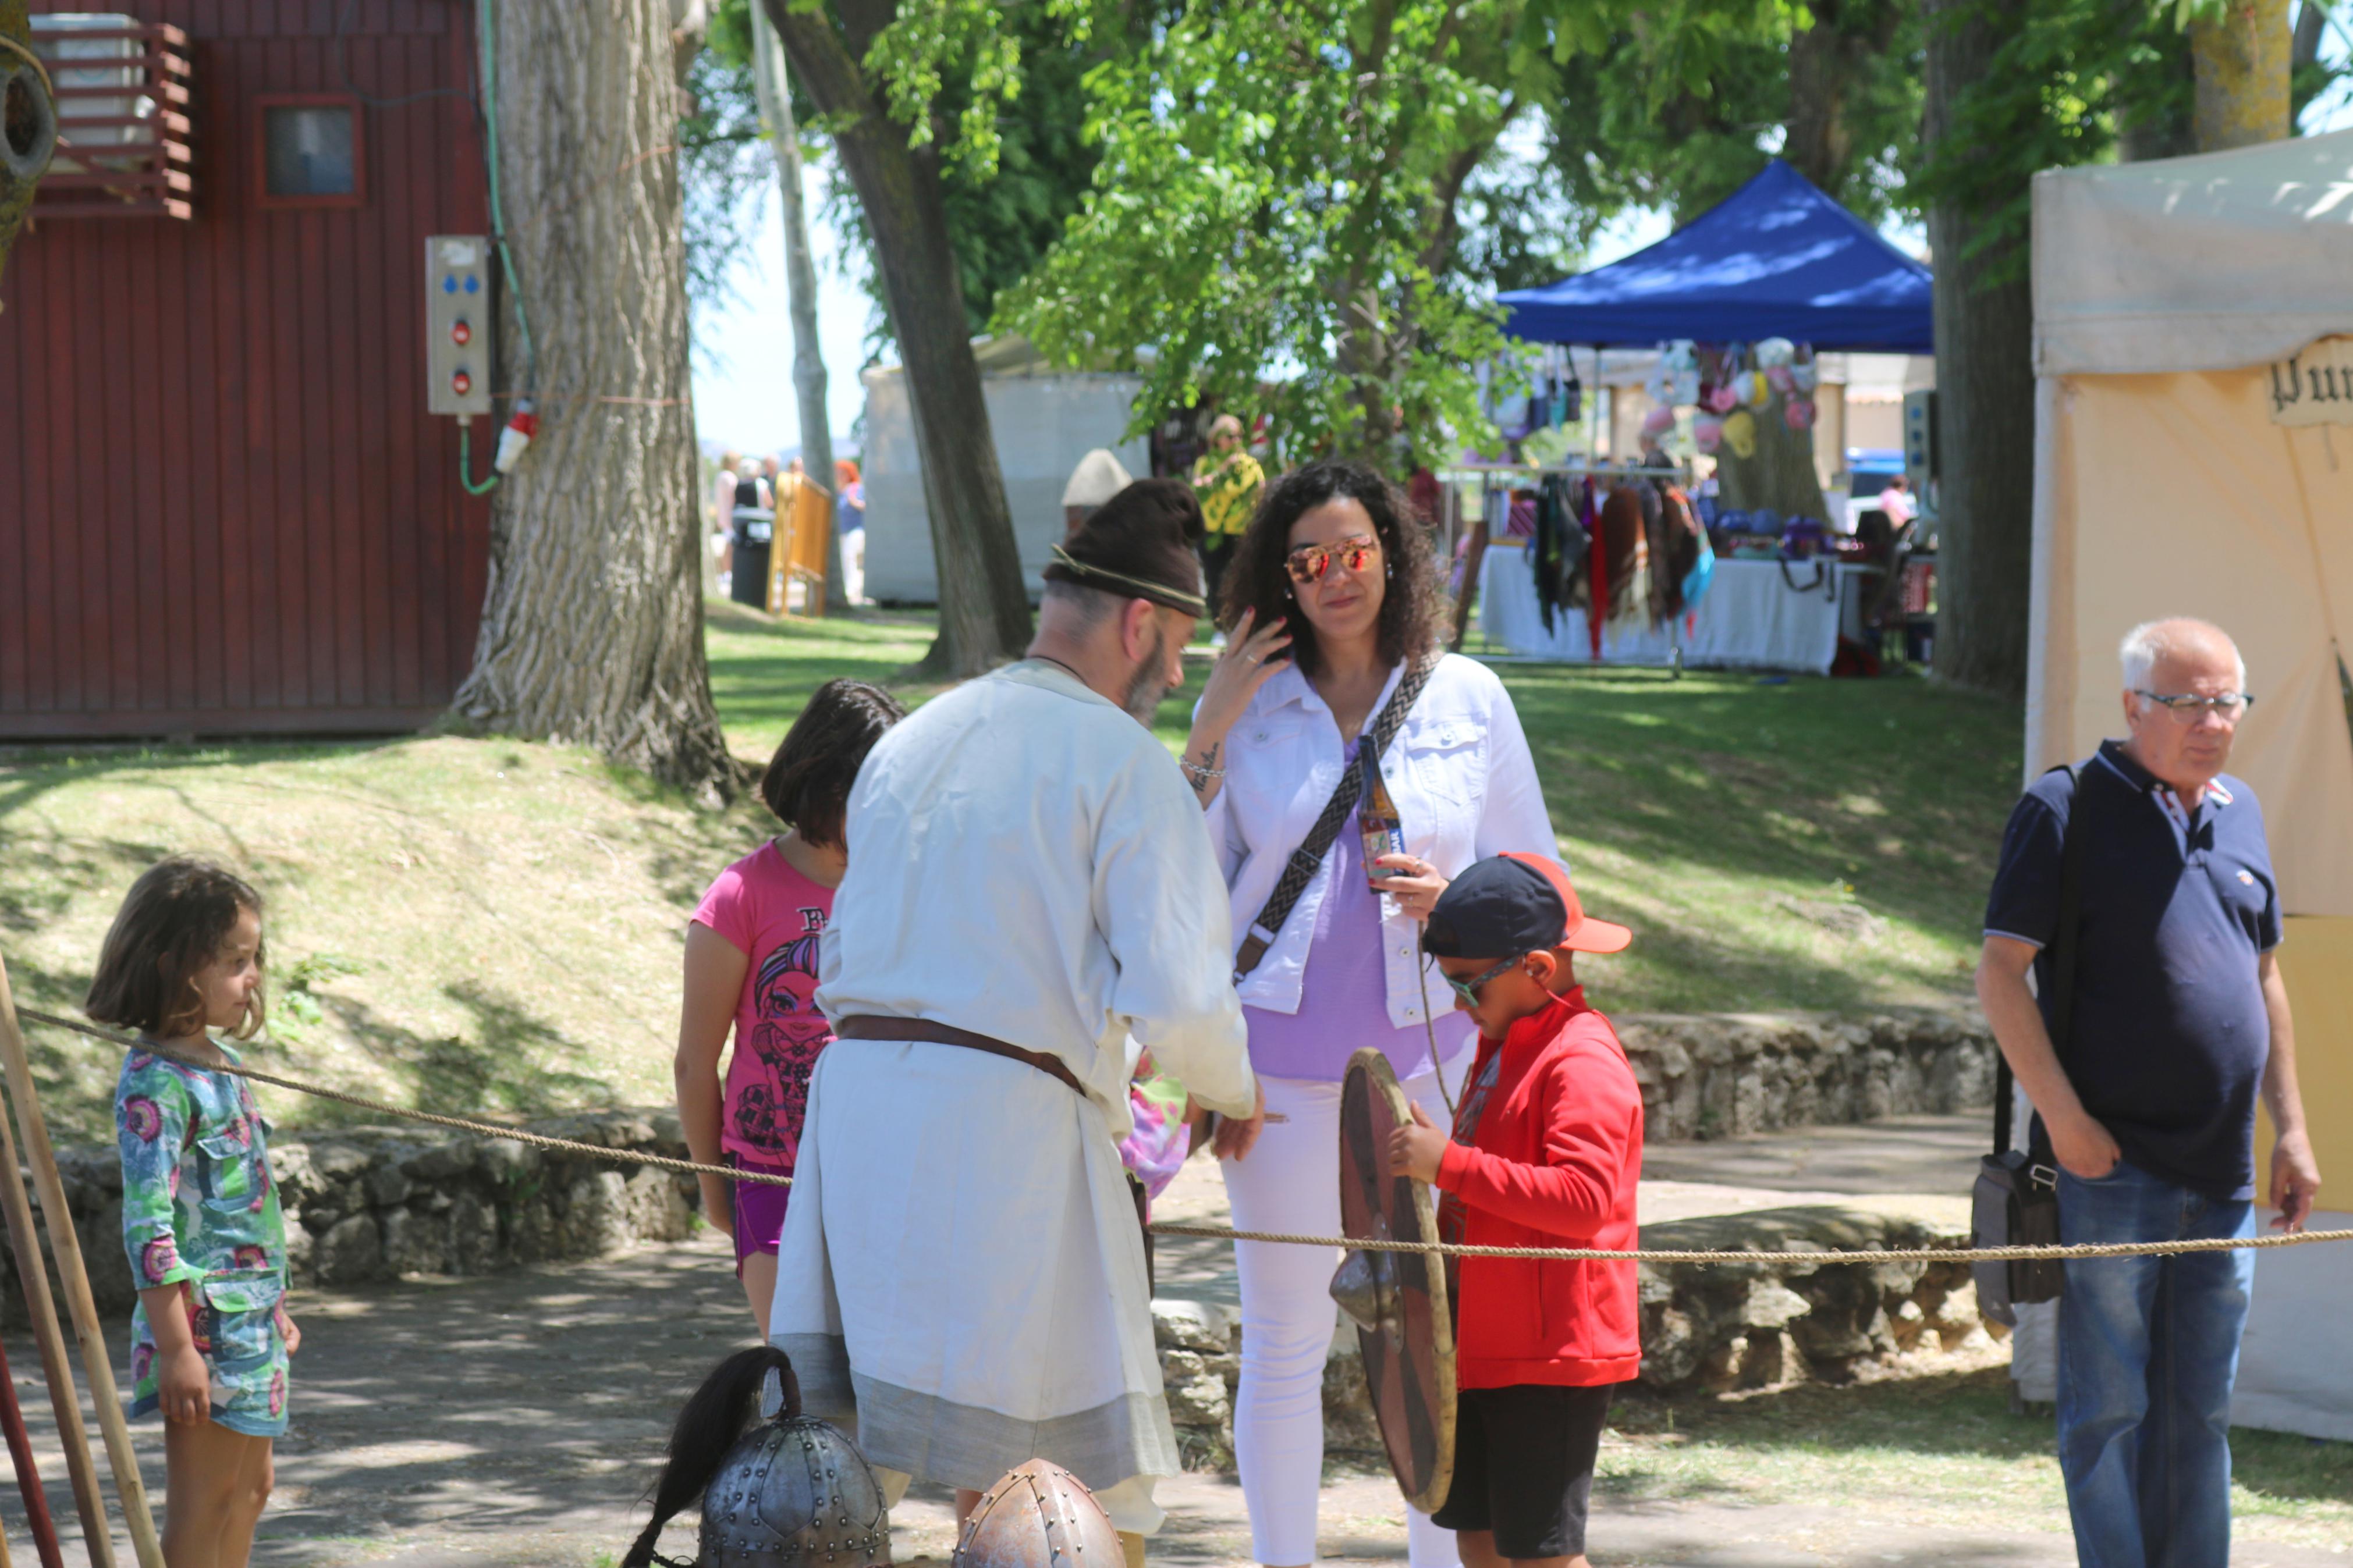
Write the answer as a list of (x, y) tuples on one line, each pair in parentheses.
[(1310, 562), (1468, 989), (2231, 706)]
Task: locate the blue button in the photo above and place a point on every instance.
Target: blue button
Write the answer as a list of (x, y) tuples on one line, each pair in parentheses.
[(473, 284), (450, 284)]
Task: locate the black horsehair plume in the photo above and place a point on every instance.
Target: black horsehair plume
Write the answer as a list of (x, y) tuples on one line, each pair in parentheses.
[(708, 1429)]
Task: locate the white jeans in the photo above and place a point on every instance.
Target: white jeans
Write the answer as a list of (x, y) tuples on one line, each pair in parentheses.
[(1292, 1182)]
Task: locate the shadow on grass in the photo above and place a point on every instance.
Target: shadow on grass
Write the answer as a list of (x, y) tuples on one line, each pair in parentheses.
[(502, 1067), (1951, 1415)]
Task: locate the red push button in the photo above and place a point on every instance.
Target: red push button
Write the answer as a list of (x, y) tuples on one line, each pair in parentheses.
[(461, 384), (460, 333)]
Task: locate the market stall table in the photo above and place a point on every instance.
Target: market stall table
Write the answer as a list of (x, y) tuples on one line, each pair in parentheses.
[(1757, 615)]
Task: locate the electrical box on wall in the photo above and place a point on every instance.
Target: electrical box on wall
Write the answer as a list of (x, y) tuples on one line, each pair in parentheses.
[(1920, 447), (458, 324)]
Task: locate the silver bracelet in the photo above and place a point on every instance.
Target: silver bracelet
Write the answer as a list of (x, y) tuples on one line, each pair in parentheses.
[(1199, 774)]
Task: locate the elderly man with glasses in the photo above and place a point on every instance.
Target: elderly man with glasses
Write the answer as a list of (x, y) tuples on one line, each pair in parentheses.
[(2180, 1022)]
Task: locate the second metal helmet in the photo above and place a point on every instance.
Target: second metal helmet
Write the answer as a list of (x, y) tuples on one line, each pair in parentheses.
[(1038, 1515)]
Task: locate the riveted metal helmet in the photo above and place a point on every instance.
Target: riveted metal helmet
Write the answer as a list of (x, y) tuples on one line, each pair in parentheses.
[(1038, 1515), (794, 1493)]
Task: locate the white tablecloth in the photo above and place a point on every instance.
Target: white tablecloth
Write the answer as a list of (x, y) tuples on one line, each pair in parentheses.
[(1751, 617)]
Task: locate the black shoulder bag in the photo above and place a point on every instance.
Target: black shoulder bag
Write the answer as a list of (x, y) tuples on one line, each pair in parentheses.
[(1310, 853), (2016, 1203)]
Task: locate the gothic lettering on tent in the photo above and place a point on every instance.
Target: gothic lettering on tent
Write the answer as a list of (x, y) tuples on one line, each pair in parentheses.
[(2314, 387)]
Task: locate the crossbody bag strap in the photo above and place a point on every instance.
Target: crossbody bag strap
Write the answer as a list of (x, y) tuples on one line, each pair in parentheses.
[(2063, 942), (1305, 860)]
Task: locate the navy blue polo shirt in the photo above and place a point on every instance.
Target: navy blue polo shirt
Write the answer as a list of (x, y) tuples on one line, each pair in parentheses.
[(2170, 1033)]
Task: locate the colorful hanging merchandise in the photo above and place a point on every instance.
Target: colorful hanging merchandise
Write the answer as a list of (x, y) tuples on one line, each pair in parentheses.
[(1559, 544)]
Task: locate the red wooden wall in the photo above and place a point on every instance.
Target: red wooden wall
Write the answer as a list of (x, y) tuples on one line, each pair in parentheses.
[(223, 506)]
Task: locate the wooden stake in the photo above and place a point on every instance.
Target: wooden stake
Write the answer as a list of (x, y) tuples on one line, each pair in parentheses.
[(65, 1398), (28, 1475), (121, 1458)]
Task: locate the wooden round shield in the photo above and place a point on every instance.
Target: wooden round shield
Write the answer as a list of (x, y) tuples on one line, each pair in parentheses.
[(1405, 1327)]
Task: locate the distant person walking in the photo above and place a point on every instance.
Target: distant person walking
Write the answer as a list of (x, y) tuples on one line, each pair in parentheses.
[(1230, 482), (753, 530), (2179, 1022), (850, 519)]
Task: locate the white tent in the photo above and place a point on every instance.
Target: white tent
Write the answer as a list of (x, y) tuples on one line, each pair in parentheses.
[(2193, 342)]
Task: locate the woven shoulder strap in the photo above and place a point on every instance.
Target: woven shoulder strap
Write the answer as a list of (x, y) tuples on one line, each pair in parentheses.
[(1300, 869)]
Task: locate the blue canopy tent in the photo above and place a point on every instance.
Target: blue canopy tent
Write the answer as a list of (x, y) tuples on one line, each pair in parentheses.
[(1774, 258)]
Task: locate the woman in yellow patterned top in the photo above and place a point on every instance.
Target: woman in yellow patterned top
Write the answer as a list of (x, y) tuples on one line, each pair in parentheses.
[(1229, 482)]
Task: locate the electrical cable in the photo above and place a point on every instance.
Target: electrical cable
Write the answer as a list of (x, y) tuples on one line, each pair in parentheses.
[(465, 460), (486, 27)]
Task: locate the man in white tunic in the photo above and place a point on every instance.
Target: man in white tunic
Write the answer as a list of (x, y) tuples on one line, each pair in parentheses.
[(1031, 898)]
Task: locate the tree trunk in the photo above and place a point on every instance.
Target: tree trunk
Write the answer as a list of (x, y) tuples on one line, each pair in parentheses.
[(29, 124), (1816, 140), (984, 604), (592, 630), (1985, 388), (800, 283), (2242, 62)]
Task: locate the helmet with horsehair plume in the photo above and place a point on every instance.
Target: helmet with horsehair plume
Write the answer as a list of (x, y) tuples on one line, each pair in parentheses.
[(1038, 1515), (791, 1492)]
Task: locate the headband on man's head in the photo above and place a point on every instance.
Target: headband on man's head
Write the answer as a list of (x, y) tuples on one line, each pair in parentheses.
[(1068, 568)]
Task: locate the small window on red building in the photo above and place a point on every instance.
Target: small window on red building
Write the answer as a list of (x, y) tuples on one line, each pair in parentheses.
[(311, 152)]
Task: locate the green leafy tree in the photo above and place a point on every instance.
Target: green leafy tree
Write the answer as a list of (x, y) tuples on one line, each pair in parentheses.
[(1276, 214)]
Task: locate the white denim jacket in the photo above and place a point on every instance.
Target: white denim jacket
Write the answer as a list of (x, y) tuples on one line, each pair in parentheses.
[(1458, 772)]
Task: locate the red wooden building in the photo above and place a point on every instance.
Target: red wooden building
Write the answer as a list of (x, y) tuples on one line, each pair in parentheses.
[(224, 509)]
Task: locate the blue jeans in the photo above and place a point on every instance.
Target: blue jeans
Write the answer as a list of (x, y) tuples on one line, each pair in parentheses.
[(2149, 1347)]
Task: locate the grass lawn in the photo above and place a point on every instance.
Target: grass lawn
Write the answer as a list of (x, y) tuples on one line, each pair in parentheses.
[(1938, 1450), (1807, 843), (487, 925)]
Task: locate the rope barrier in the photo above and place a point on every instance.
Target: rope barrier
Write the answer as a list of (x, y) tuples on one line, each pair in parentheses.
[(1228, 1232), (481, 1129), (1758, 1255)]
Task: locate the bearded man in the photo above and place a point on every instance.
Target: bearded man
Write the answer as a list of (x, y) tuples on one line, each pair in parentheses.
[(1031, 899)]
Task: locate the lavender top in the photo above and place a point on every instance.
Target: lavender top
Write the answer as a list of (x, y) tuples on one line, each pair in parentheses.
[(1344, 996)]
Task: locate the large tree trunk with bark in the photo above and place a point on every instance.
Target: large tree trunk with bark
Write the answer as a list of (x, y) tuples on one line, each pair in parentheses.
[(592, 630), (1825, 59), (768, 71), (984, 604), (2241, 63), (28, 122), (1985, 386)]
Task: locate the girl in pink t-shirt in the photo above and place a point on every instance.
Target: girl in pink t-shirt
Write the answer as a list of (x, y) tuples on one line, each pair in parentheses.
[(751, 968)]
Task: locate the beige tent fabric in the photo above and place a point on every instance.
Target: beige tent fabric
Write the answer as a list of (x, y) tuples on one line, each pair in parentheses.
[(2207, 263), (2176, 495)]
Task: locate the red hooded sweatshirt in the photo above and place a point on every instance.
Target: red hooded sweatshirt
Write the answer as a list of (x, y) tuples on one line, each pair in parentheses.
[(1553, 1160)]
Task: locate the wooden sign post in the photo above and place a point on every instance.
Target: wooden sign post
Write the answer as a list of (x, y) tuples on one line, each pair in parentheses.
[(96, 1362)]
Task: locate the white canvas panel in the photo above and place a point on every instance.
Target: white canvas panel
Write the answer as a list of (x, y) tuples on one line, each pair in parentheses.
[(2212, 262)]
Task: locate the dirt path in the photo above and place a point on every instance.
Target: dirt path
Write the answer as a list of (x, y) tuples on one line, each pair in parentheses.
[(513, 1422)]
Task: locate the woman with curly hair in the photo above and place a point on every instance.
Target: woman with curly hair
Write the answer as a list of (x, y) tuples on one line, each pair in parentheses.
[(1332, 612)]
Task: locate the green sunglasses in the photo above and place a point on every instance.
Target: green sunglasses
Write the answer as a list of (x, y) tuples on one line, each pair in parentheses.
[(1468, 989)]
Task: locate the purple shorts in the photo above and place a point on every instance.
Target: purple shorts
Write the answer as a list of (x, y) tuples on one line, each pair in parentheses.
[(759, 1209)]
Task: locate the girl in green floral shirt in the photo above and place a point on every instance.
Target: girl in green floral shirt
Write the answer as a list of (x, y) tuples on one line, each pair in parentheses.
[(210, 1337)]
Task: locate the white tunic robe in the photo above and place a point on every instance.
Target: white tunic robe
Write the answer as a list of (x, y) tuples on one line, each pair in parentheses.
[(960, 1266)]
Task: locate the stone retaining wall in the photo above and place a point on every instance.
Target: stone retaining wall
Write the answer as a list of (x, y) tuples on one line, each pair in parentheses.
[(376, 1203), (1718, 1074)]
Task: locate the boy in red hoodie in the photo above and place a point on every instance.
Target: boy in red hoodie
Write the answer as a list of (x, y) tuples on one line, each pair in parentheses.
[(1546, 1151)]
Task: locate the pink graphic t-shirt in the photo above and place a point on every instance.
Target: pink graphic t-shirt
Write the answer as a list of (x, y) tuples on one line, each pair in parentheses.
[(773, 914)]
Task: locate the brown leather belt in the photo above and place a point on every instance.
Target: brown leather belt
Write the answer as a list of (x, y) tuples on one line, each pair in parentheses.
[(874, 1027)]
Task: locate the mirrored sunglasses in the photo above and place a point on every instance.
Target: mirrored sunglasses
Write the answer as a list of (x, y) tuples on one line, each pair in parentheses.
[(1468, 989), (1310, 562)]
